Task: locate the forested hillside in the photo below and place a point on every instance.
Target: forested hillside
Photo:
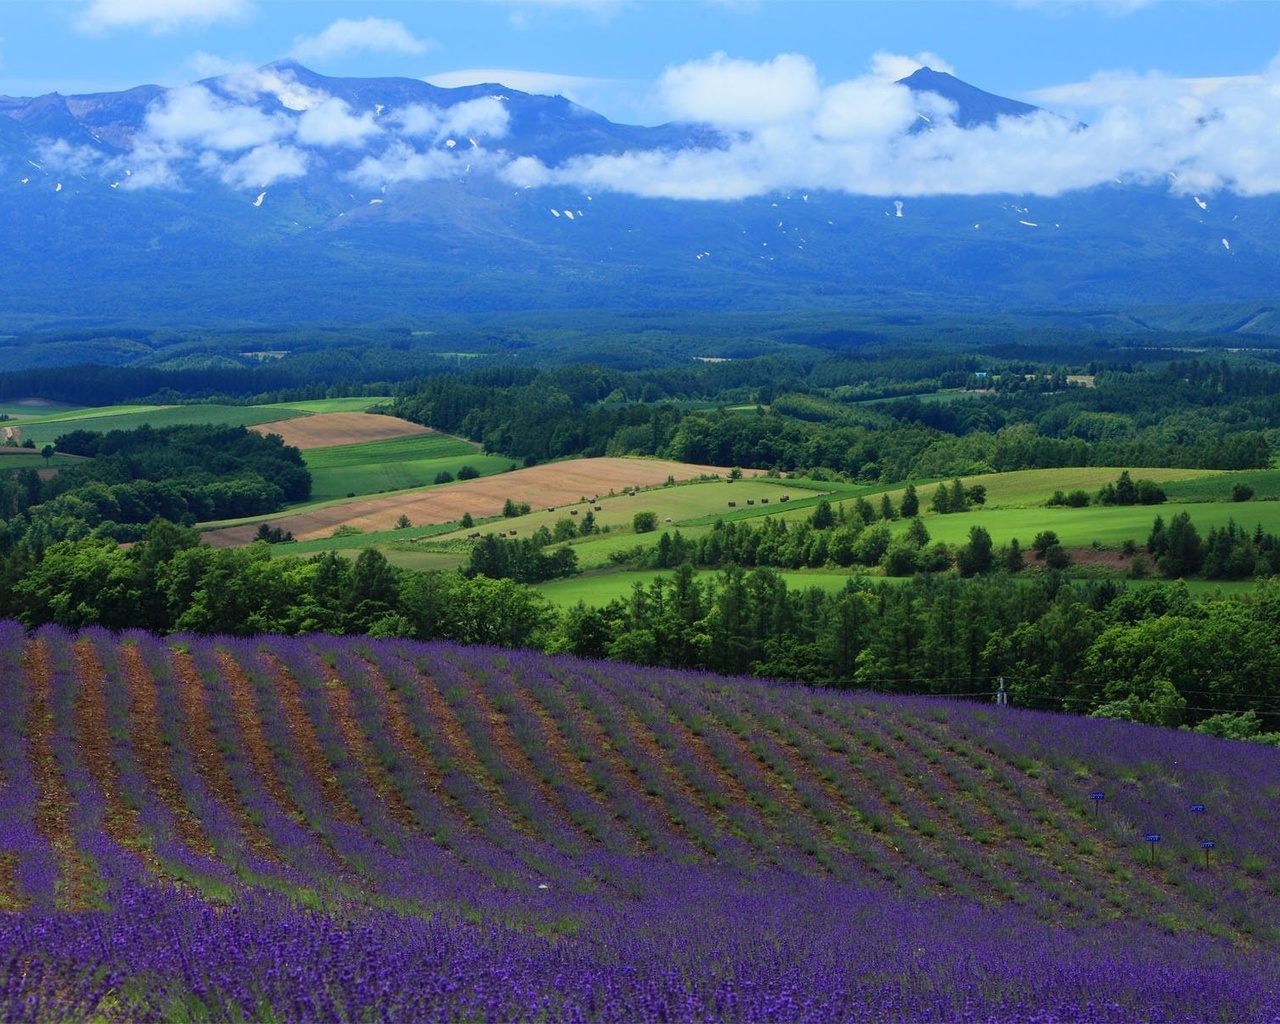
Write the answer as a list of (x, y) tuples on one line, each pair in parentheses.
[(125, 479), (1005, 416)]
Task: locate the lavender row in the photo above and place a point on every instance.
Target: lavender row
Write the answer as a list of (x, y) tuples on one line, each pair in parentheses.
[(36, 873), (703, 946)]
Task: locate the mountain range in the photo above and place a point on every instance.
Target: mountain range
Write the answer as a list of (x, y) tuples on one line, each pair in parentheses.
[(286, 196)]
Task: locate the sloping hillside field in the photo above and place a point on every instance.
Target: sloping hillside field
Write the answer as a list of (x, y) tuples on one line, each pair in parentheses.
[(348, 829)]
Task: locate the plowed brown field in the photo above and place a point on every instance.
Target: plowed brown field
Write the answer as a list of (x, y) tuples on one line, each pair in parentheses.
[(327, 429), (541, 486)]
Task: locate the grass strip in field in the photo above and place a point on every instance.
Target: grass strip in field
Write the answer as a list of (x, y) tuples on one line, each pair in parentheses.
[(47, 429), (417, 448), (323, 405), (1107, 525), (374, 477)]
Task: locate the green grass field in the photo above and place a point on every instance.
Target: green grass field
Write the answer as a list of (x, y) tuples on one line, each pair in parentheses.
[(374, 477), (416, 448), (599, 588), (595, 589), (47, 428), (320, 405), (1035, 486), (1108, 526), (23, 411)]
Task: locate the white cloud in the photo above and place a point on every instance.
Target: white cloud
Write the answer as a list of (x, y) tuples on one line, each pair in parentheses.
[(864, 108), (400, 162), (249, 85), (265, 165), (894, 67), (380, 35), (210, 65), (740, 93), (486, 117), (61, 157), (785, 129), (522, 11), (1115, 88), (331, 123), (194, 115), (781, 127), (158, 15)]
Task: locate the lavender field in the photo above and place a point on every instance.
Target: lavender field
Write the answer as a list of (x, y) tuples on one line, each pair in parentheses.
[(349, 829)]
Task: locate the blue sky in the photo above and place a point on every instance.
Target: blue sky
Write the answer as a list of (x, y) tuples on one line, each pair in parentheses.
[(1188, 90), (610, 54)]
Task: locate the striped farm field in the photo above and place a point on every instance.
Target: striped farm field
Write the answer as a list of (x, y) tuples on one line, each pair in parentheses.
[(345, 829), (549, 485), (331, 429)]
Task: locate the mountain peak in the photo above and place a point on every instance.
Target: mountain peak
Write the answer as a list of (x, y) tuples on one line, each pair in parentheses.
[(973, 106)]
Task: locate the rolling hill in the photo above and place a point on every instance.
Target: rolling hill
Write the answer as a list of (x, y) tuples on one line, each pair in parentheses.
[(346, 828)]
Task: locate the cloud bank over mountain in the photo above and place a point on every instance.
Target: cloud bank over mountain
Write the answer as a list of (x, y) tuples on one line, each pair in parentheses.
[(779, 126), (870, 136)]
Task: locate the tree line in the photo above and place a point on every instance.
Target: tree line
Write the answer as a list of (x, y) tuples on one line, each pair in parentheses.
[(1149, 653)]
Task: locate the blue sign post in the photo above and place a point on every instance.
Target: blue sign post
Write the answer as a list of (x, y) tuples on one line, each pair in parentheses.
[(1097, 797), (1206, 845), (1197, 808), (1152, 838)]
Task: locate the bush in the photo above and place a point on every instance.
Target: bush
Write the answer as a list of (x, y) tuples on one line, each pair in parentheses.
[(1057, 557), (644, 522), (468, 472), (1045, 539)]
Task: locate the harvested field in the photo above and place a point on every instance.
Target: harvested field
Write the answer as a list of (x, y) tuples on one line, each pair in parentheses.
[(327, 429), (559, 483)]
